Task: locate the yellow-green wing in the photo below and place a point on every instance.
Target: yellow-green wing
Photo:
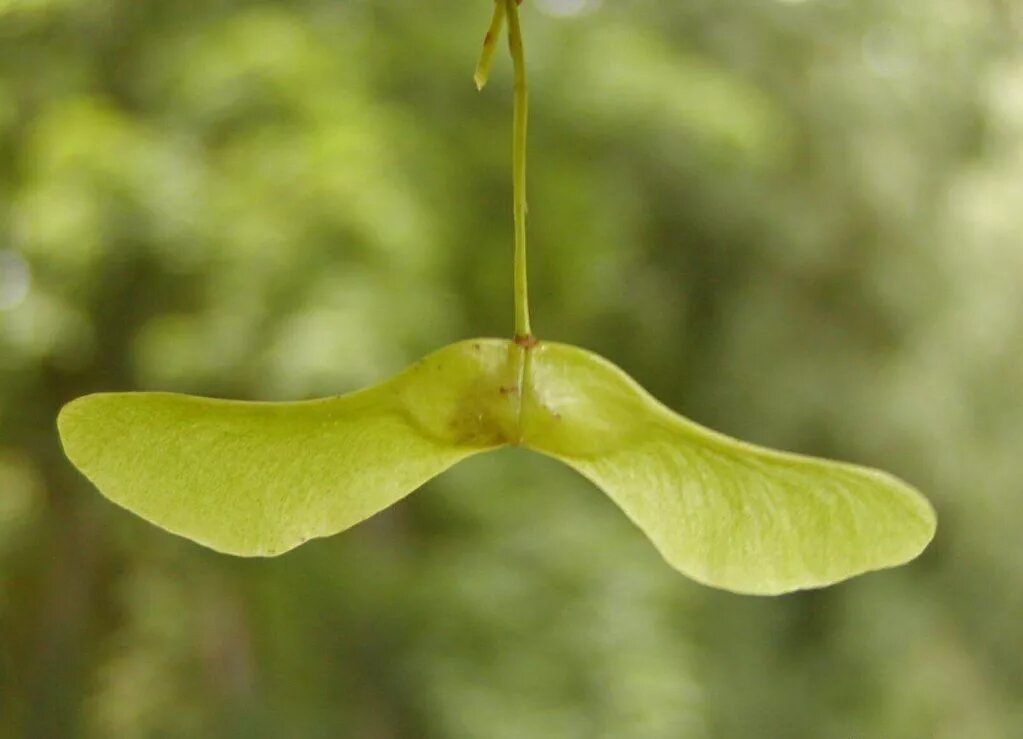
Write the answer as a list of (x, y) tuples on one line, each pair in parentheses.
[(260, 478), (723, 512)]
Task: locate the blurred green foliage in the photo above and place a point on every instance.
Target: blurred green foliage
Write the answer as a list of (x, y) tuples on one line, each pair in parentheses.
[(799, 222)]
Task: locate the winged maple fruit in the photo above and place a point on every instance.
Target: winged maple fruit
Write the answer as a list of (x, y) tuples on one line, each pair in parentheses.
[(258, 479)]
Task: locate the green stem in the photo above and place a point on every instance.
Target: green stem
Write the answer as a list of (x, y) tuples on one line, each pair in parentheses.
[(489, 45), (522, 328)]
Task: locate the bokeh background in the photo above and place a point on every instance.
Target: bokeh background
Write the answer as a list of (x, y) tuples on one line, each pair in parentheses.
[(797, 222)]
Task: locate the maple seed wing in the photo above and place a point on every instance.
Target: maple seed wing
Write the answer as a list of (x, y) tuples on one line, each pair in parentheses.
[(257, 479), (723, 512), (246, 478)]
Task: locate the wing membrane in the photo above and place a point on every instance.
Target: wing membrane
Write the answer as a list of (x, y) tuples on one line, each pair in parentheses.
[(726, 513), (257, 479)]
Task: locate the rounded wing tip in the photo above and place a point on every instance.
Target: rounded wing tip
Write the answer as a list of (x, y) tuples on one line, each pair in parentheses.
[(68, 411), (772, 586), (74, 409), (67, 425)]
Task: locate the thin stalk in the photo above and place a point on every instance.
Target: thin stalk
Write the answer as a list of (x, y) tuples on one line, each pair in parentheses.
[(523, 332), (489, 45)]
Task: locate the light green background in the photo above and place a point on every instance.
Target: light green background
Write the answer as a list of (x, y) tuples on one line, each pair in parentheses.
[(796, 222)]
